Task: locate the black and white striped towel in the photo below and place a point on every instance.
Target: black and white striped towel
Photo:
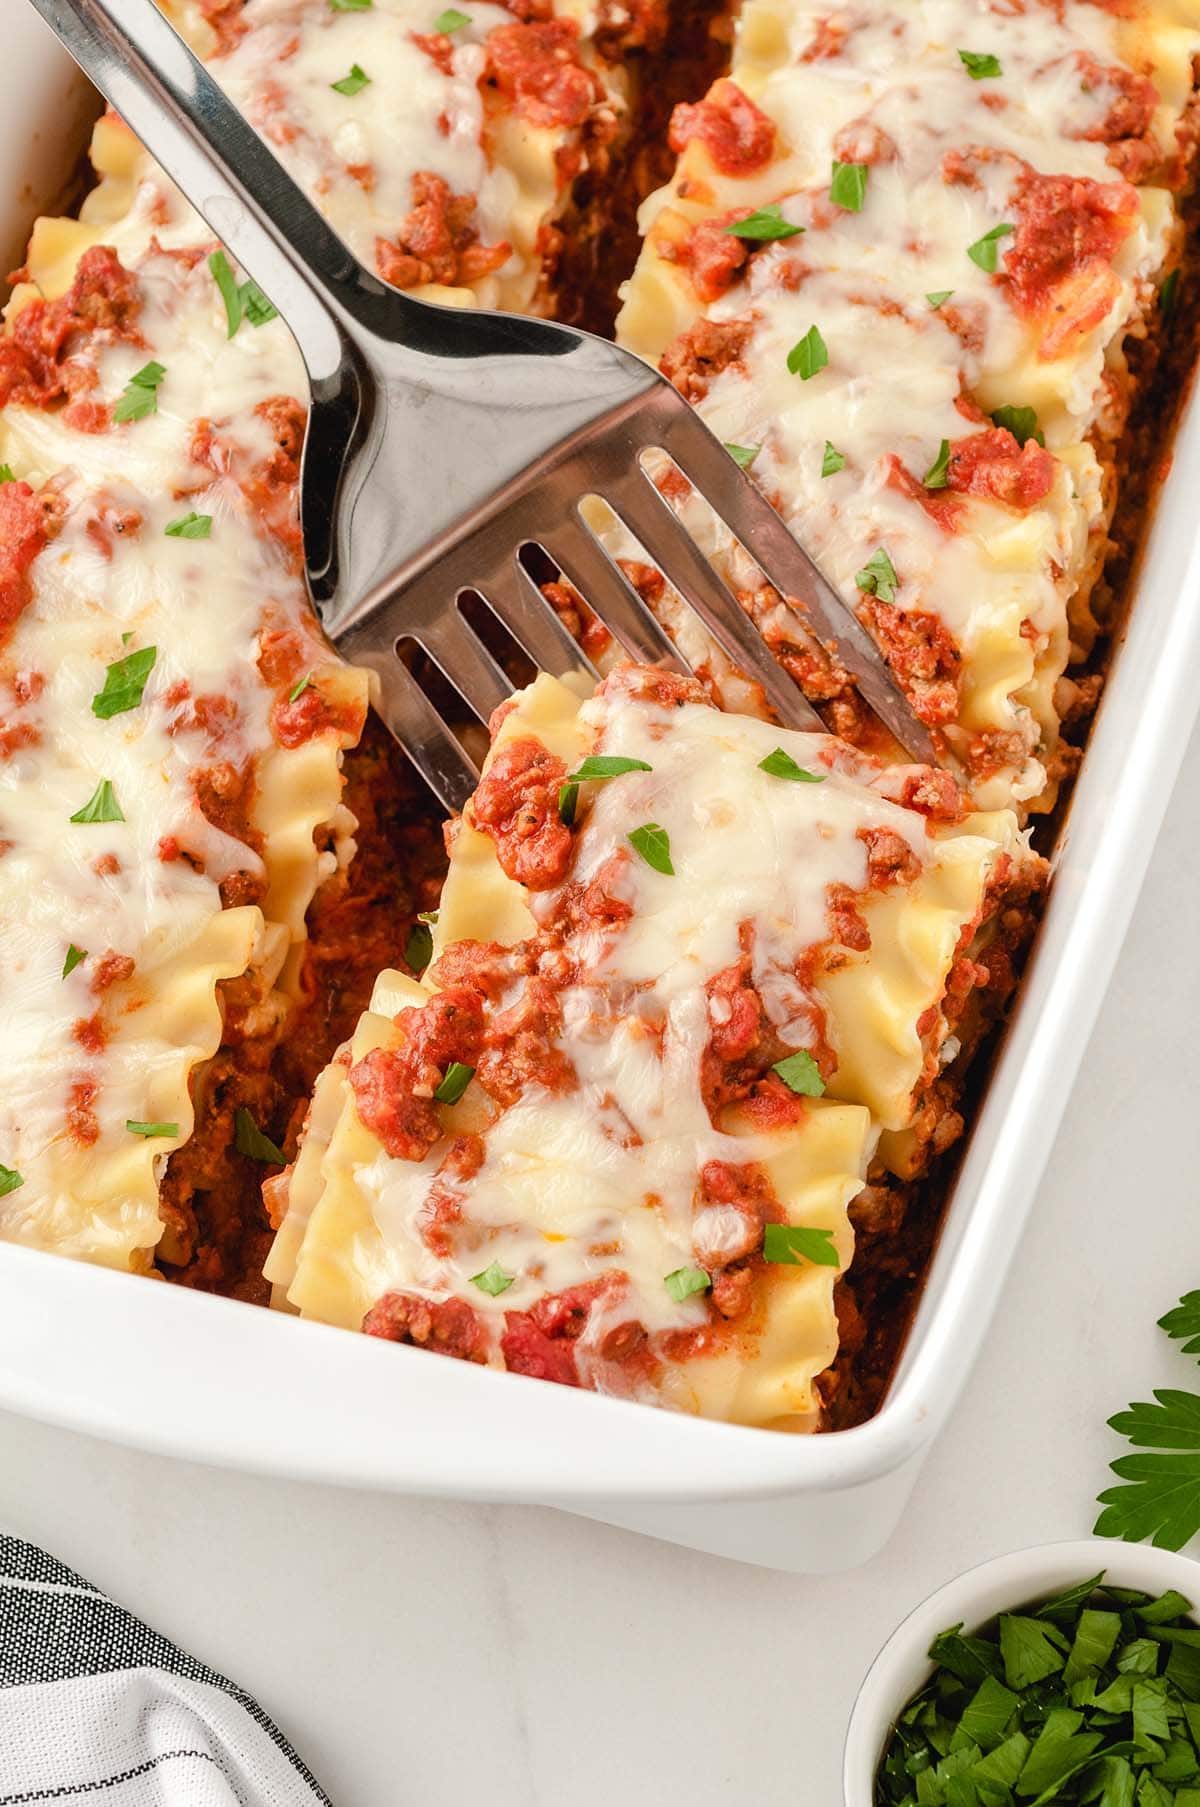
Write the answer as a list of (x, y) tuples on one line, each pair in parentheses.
[(96, 1707)]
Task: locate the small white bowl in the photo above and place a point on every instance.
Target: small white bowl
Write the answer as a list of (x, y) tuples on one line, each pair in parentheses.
[(902, 1666)]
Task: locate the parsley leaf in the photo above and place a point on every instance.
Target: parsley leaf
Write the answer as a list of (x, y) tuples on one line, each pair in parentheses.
[(190, 527), (1160, 1495), (743, 455), (848, 186), (124, 683), (298, 689), (257, 309), (568, 799), (493, 1280), (1032, 1649), (937, 476), (986, 250), (455, 1082), (654, 845), (785, 1244), (451, 20), (800, 1073), (980, 64), (244, 300), (151, 1129), (352, 83), (7, 474), (249, 1139), (101, 806), (418, 949), (10, 1179), (781, 765), (936, 297), (140, 394), (988, 1713), (1183, 1323), (606, 765), (350, 6), (231, 295), (765, 224), (808, 355), (1022, 423), (833, 461), (878, 576), (74, 957), (685, 1281)]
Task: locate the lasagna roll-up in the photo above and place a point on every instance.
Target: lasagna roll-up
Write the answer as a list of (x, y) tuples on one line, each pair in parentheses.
[(895, 270), (171, 722), (687, 967)]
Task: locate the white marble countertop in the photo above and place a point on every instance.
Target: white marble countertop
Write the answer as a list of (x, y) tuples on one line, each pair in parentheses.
[(431, 1654)]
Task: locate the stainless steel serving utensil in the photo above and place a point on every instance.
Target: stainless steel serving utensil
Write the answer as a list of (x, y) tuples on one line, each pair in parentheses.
[(440, 441)]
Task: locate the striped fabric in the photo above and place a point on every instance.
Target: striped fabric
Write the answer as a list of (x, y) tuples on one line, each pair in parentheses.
[(94, 1706)]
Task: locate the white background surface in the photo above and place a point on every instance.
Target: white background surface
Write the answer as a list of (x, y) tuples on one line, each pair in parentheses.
[(427, 1655)]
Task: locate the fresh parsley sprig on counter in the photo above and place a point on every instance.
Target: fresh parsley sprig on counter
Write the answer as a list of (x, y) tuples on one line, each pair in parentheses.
[(1159, 1495), (1093, 1696)]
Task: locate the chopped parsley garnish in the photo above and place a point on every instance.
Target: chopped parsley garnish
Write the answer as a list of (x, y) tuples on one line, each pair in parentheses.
[(451, 20), (606, 765), (231, 295), (249, 1139), (255, 306), (352, 83), (685, 1281), (980, 64), (101, 806), (766, 223), (787, 1244), (124, 683), (151, 1129), (191, 526), (986, 250), (743, 455), (140, 394), (781, 765), (10, 1179), (493, 1280), (418, 950), (1166, 300), (801, 1074), (243, 300), (654, 845), (74, 956), (594, 768), (1022, 423), (808, 355), (1082, 1698), (937, 476), (7, 474), (848, 187), (878, 577), (297, 690), (936, 297), (457, 1078), (350, 6), (1159, 1497), (832, 461)]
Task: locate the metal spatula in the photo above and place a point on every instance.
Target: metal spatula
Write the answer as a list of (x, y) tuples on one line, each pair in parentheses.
[(441, 441)]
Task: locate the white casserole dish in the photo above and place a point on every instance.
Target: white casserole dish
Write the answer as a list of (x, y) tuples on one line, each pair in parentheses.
[(212, 1380)]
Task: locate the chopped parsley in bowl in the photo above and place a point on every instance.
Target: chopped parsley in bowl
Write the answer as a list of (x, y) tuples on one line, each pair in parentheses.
[(1024, 1684)]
